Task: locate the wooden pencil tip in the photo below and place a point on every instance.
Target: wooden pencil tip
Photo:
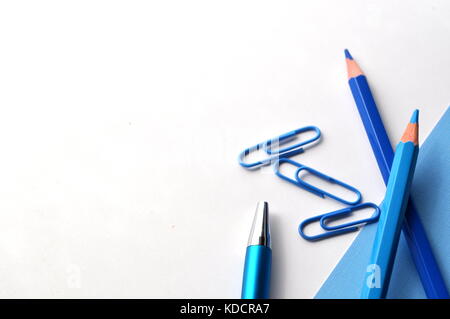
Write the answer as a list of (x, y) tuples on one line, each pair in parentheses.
[(353, 69), (411, 133)]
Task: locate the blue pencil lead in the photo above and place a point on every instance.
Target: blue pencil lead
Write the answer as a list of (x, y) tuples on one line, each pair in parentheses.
[(415, 117), (348, 55)]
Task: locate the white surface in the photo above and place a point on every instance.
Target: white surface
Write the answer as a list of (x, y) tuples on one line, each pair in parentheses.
[(121, 123)]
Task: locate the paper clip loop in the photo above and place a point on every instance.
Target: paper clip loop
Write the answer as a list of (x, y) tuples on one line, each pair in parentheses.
[(313, 189), (269, 145), (339, 229)]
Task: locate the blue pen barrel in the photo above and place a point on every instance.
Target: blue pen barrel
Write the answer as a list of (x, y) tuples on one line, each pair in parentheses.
[(256, 283)]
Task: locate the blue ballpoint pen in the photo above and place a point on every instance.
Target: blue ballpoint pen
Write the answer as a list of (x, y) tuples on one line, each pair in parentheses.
[(258, 258)]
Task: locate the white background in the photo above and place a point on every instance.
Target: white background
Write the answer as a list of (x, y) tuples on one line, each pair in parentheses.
[(121, 122)]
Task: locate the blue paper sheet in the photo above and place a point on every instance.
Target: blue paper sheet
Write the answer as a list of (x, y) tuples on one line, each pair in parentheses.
[(431, 194)]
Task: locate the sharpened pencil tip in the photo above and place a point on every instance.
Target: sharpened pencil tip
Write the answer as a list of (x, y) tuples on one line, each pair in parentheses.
[(411, 133), (348, 55), (415, 117), (353, 69)]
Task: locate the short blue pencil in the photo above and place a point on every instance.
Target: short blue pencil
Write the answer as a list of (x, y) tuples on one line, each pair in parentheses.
[(392, 214)]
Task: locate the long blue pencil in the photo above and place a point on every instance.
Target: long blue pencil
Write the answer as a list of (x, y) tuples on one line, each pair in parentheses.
[(392, 213), (413, 230)]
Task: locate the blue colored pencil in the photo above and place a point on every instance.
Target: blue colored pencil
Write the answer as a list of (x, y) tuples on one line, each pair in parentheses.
[(413, 230), (392, 214)]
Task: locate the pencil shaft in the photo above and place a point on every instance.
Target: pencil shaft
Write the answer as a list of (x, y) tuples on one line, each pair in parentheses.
[(421, 252), (389, 225), (373, 125)]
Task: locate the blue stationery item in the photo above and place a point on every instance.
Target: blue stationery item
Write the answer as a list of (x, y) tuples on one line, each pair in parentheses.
[(430, 193), (269, 145), (415, 235), (258, 257), (342, 228), (385, 245), (370, 117), (313, 189), (277, 156)]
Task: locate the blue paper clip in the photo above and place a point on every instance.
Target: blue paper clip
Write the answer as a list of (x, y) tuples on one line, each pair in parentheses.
[(274, 155), (339, 229), (317, 191)]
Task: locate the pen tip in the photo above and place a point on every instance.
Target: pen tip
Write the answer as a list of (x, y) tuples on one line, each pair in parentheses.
[(260, 233), (415, 117), (348, 55)]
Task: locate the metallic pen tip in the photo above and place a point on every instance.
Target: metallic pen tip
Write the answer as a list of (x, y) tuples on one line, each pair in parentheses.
[(260, 233)]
